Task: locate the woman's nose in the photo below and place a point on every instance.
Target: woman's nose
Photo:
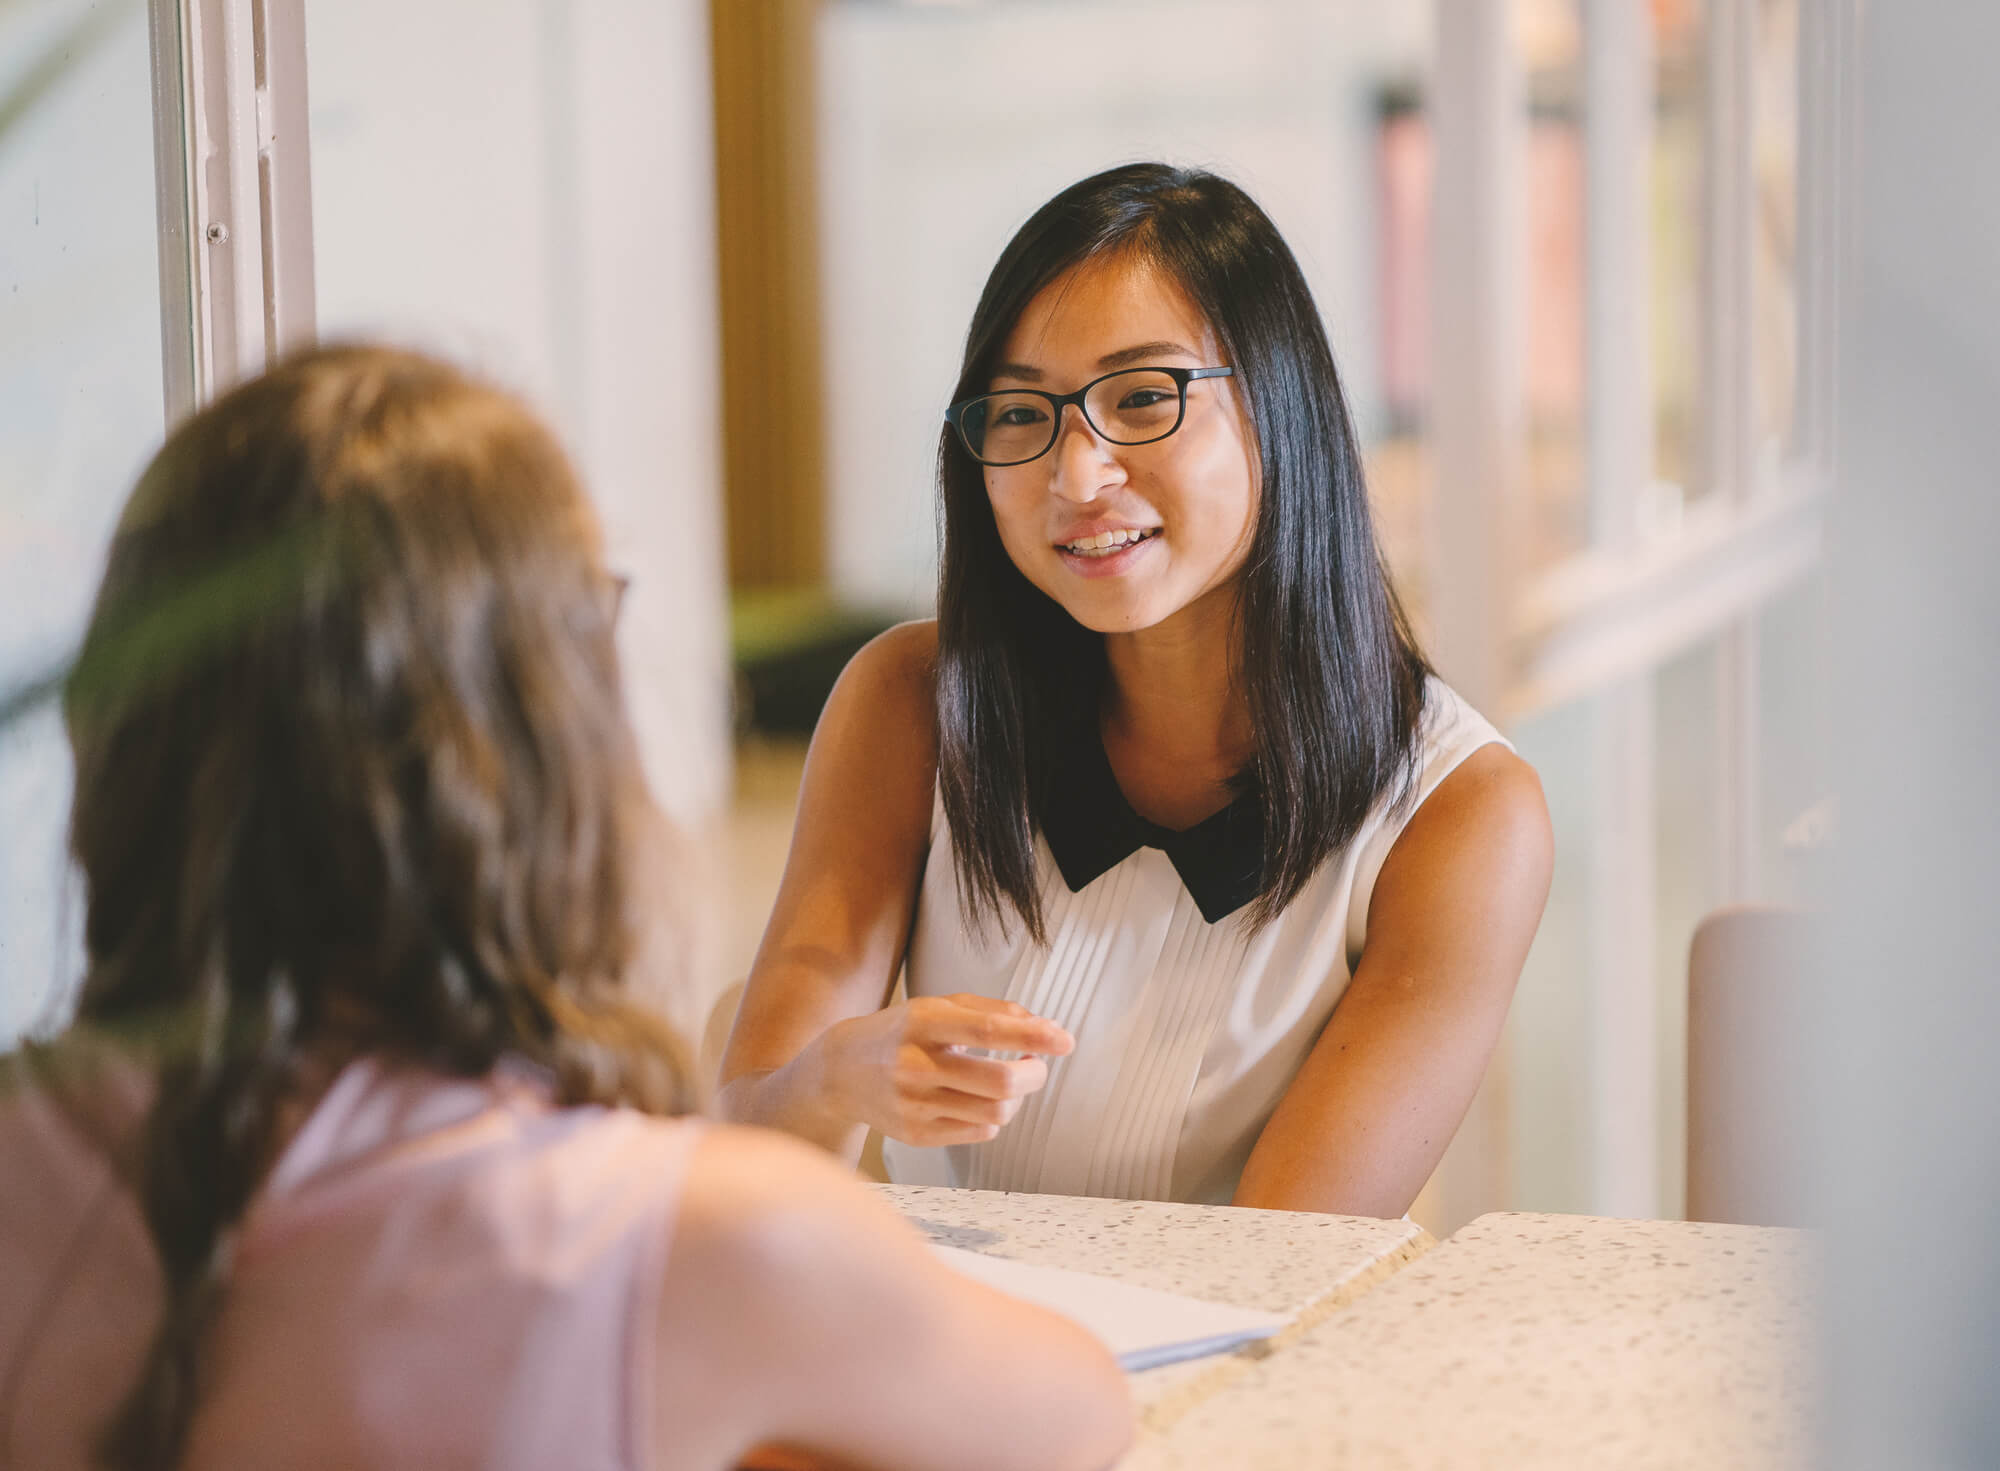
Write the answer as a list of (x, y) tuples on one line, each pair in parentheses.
[(1084, 466)]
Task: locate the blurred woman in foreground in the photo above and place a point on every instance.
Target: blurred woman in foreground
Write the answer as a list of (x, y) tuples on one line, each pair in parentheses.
[(357, 1154)]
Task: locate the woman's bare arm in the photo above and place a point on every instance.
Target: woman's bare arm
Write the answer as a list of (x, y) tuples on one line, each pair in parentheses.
[(1454, 909), (798, 1311), (815, 1051)]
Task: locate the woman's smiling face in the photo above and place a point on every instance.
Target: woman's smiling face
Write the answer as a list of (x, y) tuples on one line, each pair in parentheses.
[(1180, 511)]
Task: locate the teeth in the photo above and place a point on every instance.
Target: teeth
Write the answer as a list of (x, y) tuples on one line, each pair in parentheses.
[(1105, 541)]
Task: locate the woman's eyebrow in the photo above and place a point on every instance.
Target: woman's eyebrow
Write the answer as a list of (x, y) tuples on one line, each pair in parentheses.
[(1119, 359), (1144, 350)]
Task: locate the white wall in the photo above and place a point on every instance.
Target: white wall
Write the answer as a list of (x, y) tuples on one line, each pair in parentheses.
[(942, 129), (81, 408), (527, 186)]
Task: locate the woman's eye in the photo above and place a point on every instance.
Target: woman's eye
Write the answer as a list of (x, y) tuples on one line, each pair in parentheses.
[(1018, 415), (1143, 398)]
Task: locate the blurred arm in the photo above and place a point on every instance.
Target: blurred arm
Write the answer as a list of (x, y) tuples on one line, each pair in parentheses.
[(802, 1316)]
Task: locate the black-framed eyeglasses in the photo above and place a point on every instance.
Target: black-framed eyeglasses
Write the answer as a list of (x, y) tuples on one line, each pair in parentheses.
[(1130, 406)]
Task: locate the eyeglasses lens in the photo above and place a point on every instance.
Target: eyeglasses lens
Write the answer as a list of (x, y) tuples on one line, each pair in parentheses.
[(1003, 428), (1132, 407)]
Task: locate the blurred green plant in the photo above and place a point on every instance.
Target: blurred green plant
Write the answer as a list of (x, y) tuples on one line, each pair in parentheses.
[(29, 696), (767, 621), (178, 627)]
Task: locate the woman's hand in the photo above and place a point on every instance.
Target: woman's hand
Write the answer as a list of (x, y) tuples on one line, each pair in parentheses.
[(907, 1071), (814, 1050)]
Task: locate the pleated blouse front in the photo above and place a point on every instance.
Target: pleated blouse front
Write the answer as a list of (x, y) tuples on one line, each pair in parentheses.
[(1188, 1030)]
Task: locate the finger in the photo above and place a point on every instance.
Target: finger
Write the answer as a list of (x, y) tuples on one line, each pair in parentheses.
[(935, 1133), (974, 1001), (953, 1023), (987, 1077), (950, 1105)]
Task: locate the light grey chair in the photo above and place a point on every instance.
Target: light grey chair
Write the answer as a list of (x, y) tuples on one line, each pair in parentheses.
[(1748, 1038)]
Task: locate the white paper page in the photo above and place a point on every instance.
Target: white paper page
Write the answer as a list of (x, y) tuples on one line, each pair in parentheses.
[(1143, 1327)]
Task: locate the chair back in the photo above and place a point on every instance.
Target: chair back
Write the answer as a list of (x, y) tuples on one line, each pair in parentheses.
[(1747, 1129)]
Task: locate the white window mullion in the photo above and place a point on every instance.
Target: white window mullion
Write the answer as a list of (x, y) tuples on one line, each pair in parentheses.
[(234, 190), (285, 169), (1728, 390), (1728, 409), (1624, 1062), (1618, 143), (1477, 408), (1621, 924), (1826, 165), (173, 186), (1479, 291), (1737, 721)]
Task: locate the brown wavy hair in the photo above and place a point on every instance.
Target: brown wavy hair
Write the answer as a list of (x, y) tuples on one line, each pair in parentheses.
[(353, 774)]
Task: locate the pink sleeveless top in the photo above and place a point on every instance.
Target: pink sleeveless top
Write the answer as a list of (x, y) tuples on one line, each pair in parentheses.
[(439, 1273)]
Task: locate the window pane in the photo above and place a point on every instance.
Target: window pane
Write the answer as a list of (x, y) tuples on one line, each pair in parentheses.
[(81, 407)]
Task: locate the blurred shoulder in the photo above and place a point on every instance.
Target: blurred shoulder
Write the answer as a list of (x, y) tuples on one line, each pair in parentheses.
[(889, 688), (758, 1205), (902, 660), (778, 1239)]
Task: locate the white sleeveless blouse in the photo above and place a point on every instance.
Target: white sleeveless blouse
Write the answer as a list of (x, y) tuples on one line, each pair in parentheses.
[(1187, 1032)]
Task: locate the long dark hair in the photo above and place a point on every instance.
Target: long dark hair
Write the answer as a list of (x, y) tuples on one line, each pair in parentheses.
[(1325, 657), (353, 773)]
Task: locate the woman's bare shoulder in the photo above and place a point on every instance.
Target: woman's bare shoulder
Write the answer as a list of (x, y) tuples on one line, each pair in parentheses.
[(885, 700), (899, 663)]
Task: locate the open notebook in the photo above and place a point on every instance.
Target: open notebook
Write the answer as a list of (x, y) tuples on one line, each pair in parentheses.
[(1143, 1327)]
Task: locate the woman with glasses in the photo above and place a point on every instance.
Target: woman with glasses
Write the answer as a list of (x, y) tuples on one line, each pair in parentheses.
[(1202, 885), (360, 1154)]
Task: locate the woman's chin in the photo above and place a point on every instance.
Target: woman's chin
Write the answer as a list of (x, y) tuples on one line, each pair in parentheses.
[(1112, 614), (1125, 605)]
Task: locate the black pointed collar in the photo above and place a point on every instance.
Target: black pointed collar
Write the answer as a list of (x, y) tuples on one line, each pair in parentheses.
[(1091, 829)]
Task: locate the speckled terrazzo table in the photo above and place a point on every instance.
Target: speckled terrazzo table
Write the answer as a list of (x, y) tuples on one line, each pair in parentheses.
[(1535, 1341), (1306, 1266)]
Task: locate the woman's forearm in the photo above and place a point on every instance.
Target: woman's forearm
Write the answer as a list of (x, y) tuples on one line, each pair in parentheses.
[(792, 1098)]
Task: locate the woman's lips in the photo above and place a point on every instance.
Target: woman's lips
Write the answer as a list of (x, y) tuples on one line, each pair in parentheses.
[(1110, 562)]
